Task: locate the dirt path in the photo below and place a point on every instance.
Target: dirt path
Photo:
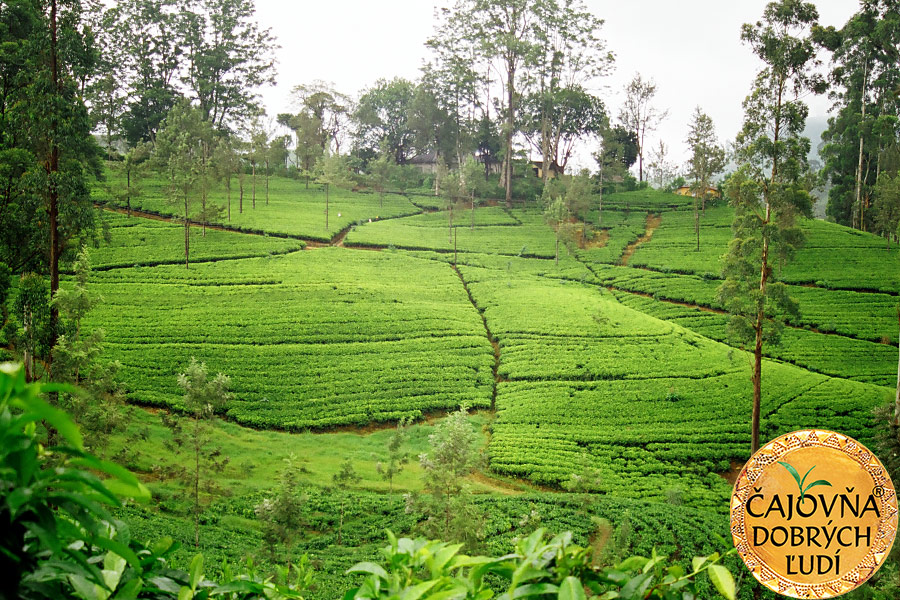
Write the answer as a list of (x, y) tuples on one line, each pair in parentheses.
[(338, 239), (653, 222)]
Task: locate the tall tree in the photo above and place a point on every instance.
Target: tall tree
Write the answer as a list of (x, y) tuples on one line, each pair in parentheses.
[(330, 111), (505, 32), (382, 118), (227, 58), (616, 154), (569, 56), (555, 122), (707, 160), (639, 116), (46, 150), (454, 79), (768, 190), (865, 74), (147, 33)]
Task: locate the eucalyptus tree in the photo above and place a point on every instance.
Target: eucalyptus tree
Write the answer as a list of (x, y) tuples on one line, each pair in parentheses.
[(569, 56), (455, 77), (227, 57), (505, 31), (639, 116), (769, 190), (148, 36), (707, 160), (864, 80), (46, 149)]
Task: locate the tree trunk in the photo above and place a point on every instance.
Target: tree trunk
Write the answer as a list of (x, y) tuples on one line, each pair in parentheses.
[(240, 195), (228, 194), (196, 488), (859, 163), (697, 224), (53, 172), (341, 524), (187, 233), (557, 244), (897, 397), (510, 87), (253, 184), (267, 182), (450, 226), (473, 212), (128, 191), (600, 205), (757, 349), (326, 207), (545, 149)]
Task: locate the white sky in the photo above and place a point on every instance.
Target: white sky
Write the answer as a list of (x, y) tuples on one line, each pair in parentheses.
[(691, 48)]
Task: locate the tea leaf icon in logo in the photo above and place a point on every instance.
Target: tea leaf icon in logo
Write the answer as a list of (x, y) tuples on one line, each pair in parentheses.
[(800, 482)]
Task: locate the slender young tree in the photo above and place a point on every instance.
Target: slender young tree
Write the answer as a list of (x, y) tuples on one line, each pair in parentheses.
[(181, 150), (202, 398), (769, 189), (397, 455), (639, 116), (707, 160)]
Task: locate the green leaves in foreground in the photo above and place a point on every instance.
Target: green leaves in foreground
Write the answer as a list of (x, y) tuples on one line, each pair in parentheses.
[(538, 567)]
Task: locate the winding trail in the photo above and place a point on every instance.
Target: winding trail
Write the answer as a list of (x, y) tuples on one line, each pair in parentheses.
[(653, 222)]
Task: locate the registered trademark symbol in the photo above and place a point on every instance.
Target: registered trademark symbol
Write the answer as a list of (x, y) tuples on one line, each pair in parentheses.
[(878, 491)]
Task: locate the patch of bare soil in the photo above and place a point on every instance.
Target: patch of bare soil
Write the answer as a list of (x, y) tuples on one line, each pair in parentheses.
[(732, 474), (653, 222)]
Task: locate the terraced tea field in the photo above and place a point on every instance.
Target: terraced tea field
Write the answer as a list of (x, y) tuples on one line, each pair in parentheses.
[(292, 209), (594, 363), (318, 339)]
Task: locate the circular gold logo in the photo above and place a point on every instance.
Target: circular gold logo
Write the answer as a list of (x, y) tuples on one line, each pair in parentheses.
[(813, 514)]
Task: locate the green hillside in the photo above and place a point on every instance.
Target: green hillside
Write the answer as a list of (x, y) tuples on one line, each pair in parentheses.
[(612, 360)]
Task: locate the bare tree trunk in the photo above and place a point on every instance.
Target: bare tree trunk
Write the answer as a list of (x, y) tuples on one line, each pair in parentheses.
[(128, 191), (757, 349), (897, 397), (187, 233), (326, 207), (228, 194), (196, 489), (510, 87), (859, 164), (697, 224), (267, 181), (241, 195), (253, 184), (53, 169), (557, 244)]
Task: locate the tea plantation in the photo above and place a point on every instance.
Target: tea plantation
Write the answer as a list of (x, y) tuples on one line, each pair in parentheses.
[(613, 360)]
